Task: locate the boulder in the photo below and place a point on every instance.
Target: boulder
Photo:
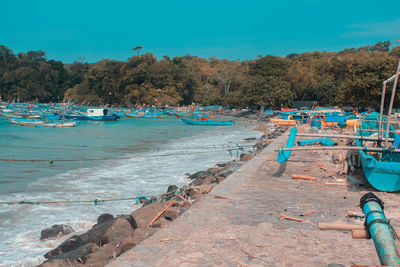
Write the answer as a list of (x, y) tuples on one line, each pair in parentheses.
[(209, 180), (205, 188), (104, 218), (160, 223), (204, 180), (199, 174), (226, 173), (129, 219), (55, 231), (194, 192), (76, 255), (127, 243), (140, 234), (245, 157), (172, 189), (171, 213), (144, 215), (219, 179), (70, 244), (112, 231), (101, 256), (215, 170)]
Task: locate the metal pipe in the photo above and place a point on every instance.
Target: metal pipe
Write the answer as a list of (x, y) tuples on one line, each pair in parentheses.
[(391, 103), (379, 228)]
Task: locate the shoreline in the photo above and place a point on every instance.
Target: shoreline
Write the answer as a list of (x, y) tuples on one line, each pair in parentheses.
[(87, 247)]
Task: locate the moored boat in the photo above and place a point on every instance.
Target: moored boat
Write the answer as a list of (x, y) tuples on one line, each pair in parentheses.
[(94, 114), (207, 122)]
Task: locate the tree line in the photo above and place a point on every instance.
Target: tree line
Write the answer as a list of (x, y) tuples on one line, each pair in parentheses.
[(352, 77)]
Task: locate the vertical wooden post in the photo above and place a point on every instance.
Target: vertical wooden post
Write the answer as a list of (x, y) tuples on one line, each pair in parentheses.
[(391, 104)]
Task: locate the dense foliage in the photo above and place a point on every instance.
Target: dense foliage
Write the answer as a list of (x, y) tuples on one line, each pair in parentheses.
[(352, 77)]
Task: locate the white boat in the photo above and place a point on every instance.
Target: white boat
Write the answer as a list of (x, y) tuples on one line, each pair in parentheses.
[(59, 124), (26, 122)]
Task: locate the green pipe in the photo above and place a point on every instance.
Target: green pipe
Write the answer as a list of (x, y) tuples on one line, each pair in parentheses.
[(380, 230)]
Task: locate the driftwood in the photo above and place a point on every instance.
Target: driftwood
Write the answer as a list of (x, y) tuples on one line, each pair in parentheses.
[(285, 217), (336, 184), (340, 226), (363, 234), (304, 177), (168, 204)]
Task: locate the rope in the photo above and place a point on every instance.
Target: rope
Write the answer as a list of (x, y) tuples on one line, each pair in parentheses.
[(109, 158), (95, 202)]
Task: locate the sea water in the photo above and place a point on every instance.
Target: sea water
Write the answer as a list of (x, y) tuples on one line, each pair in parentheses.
[(97, 160)]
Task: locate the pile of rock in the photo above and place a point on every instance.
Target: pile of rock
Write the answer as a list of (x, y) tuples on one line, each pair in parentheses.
[(112, 236)]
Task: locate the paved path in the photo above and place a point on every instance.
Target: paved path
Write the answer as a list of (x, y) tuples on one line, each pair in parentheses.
[(241, 226)]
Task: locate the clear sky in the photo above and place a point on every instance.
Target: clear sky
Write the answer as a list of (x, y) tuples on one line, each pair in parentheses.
[(94, 30)]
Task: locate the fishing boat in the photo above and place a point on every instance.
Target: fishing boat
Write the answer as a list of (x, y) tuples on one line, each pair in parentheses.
[(207, 122), (27, 122), (59, 124), (377, 142), (382, 170), (94, 114)]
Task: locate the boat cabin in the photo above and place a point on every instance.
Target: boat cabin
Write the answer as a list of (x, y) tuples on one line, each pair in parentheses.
[(97, 112)]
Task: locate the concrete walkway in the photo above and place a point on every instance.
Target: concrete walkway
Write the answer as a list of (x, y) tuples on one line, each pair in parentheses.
[(238, 223)]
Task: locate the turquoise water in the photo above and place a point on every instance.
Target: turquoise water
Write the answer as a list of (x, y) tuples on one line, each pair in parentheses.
[(96, 160), (48, 151)]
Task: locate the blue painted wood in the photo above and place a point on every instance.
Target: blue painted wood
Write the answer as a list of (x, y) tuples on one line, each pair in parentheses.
[(207, 122), (382, 175), (284, 155)]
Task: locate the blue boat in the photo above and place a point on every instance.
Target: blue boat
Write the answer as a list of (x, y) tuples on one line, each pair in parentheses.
[(382, 170), (94, 114), (207, 122)]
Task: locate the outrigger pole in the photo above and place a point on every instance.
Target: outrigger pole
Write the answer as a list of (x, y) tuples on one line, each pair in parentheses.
[(396, 79), (363, 148), (341, 136), (285, 152)]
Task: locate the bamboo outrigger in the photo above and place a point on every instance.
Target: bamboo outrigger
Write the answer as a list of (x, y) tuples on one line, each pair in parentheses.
[(382, 169)]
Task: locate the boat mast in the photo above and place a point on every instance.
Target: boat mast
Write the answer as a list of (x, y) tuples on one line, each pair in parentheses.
[(396, 79)]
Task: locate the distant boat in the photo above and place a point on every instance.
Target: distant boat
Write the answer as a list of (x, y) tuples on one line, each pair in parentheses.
[(27, 122), (207, 122), (94, 114), (41, 123), (59, 124)]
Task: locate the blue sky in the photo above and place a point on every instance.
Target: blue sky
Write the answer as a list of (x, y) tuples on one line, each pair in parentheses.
[(94, 30)]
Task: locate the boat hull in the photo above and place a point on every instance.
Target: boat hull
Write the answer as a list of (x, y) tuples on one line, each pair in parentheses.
[(94, 118), (383, 176), (207, 122)]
